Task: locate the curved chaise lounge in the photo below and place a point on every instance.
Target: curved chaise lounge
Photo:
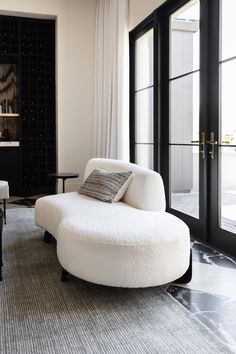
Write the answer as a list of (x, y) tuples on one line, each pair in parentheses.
[(131, 243)]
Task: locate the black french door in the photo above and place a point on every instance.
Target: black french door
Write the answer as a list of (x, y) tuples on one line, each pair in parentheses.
[(222, 125), (197, 78)]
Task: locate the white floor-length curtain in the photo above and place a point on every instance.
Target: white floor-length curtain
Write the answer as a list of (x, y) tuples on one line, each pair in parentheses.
[(111, 104)]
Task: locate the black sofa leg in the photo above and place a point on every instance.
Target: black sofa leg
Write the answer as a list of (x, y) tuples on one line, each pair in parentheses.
[(186, 278), (64, 275), (47, 237)]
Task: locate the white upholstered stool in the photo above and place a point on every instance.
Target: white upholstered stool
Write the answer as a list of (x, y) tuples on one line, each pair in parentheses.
[(4, 194)]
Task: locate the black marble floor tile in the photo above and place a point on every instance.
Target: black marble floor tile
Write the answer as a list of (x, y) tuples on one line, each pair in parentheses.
[(207, 255), (218, 313)]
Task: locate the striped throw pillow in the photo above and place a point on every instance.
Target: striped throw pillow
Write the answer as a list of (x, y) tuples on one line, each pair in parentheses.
[(106, 186)]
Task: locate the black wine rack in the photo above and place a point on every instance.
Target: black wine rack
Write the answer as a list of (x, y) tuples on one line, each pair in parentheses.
[(32, 43)]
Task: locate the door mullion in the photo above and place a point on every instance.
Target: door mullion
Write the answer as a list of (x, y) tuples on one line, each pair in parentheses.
[(213, 114), (204, 79)]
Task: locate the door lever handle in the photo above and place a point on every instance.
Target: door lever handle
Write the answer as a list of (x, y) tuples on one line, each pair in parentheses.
[(202, 144), (212, 142)]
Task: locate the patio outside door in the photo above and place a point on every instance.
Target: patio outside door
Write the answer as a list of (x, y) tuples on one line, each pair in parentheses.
[(200, 144)]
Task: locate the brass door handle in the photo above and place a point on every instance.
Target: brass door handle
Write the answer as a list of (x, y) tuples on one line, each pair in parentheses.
[(212, 142), (201, 143)]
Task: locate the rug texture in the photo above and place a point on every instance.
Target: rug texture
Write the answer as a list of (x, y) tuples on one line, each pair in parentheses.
[(39, 314)]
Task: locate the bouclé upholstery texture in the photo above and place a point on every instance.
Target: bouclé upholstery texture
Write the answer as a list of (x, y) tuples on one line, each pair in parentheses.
[(121, 244)]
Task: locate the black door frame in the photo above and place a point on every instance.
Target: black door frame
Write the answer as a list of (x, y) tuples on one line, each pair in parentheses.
[(198, 227), (205, 229), (147, 24), (218, 237)]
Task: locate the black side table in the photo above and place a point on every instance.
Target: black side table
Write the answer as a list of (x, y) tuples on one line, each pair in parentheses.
[(64, 176), (1, 225)]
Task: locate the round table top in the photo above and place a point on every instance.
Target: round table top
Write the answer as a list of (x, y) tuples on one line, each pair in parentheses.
[(64, 175)]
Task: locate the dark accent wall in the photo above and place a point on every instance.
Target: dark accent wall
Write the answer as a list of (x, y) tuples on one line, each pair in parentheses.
[(30, 45)]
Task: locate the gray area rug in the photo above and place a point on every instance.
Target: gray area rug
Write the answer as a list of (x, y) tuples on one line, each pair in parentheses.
[(39, 314)]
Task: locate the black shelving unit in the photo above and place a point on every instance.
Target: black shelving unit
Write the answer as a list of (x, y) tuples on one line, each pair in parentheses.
[(31, 44), (9, 36)]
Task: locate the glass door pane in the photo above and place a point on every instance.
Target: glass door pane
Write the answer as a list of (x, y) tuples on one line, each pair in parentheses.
[(144, 136), (144, 116), (144, 61), (227, 103), (144, 155), (184, 109), (184, 161), (227, 187), (184, 39), (227, 35)]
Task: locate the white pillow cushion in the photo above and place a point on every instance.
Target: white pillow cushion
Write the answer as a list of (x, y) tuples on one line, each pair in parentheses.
[(146, 189)]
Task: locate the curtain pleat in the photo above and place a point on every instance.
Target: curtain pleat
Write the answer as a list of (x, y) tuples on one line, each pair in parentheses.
[(111, 102)]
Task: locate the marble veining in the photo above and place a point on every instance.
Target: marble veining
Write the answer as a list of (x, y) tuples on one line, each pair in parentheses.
[(211, 295), (205, 254), (213, 279), (216, 312)]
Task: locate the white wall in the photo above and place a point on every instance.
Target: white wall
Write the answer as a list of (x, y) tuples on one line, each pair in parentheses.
[(75, 75), (140, 9)]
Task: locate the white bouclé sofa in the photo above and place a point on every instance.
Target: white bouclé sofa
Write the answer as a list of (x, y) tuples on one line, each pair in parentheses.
[(131, 243)]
